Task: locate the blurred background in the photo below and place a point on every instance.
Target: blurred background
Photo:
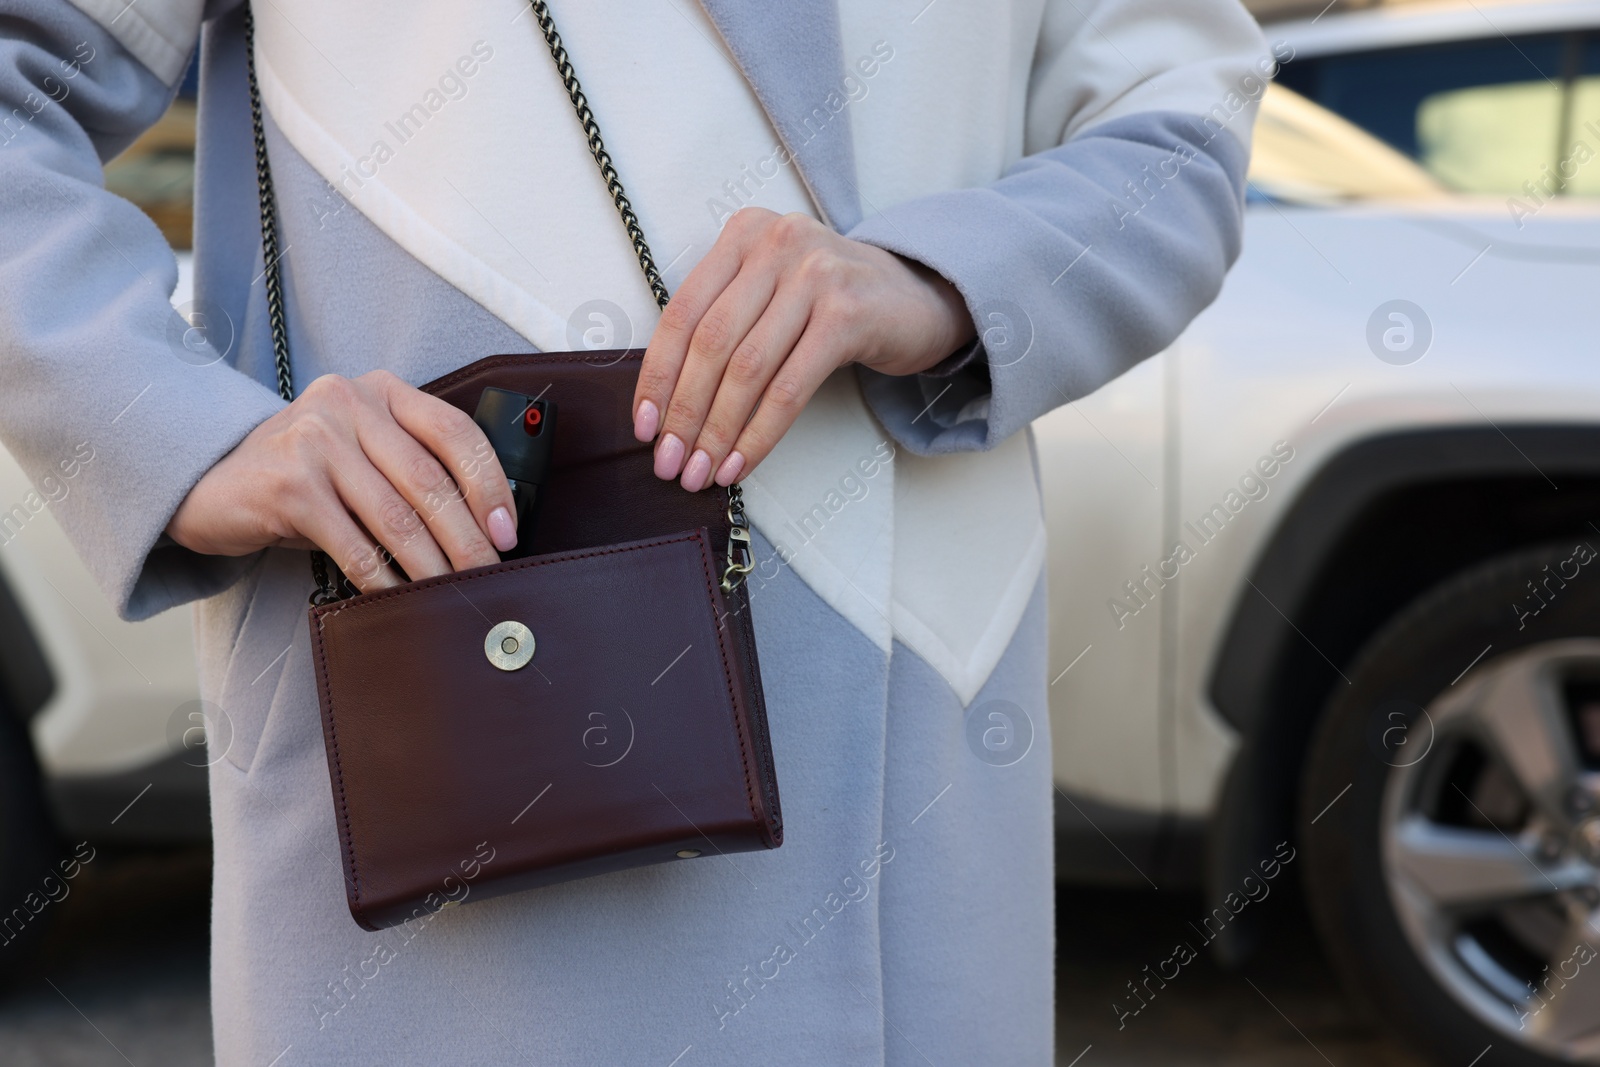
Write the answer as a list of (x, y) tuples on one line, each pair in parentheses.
[(1325, 652)]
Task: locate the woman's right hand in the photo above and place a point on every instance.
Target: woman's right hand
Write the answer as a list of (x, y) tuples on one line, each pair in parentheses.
[(366, 469)]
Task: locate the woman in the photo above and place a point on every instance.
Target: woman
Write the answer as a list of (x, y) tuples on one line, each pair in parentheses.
[(988, 210)]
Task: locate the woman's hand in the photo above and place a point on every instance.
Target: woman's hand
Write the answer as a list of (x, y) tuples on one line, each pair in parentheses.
[(366, 469), (778, 304)]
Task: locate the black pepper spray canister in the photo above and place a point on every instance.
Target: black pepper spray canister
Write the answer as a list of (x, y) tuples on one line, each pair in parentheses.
[(521, 430)]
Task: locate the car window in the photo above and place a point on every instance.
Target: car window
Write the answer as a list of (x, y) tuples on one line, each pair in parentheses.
[(1489, 139), (1307, 154), (1495, 138), (1488, 116)]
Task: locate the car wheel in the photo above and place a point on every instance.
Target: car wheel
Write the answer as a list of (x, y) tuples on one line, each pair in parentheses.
[(1450, 815), (27, 848)]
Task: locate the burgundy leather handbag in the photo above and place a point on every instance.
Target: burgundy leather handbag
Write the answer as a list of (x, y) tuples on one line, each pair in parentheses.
[(592, 707)]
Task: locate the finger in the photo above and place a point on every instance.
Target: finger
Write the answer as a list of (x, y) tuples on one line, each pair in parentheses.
[(669, 345), (326, 523), (807, 367), (420, 481), (455, 440), (749, 370), (717, 342), (370, 495), (353, 486)]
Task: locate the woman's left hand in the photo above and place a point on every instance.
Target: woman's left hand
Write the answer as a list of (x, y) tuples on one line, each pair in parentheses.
[(778, 304)]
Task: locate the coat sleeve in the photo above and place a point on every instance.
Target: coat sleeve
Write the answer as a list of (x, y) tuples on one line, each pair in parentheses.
[(94, 361), (1114, 230)]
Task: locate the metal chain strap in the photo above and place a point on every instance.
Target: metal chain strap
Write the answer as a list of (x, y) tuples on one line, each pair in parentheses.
[(739, 562), (269, 220), (597, 148)]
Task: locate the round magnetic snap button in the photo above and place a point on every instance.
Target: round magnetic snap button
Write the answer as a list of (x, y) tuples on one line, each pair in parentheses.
[(509, 645)]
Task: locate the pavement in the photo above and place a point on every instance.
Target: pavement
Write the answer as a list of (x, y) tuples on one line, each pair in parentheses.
[(121, 976), (1283, 1009), (121, 982)]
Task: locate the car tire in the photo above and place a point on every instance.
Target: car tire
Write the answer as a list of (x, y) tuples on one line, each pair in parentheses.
[(28, 849), (1449, 815)]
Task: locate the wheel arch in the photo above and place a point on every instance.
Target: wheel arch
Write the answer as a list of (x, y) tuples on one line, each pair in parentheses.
[(1379, 523)]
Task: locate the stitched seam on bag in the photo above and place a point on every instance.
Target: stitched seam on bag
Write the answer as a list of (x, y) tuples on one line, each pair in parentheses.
[(338, 775), (768, 783), (488, 363), (733, 700), (537, 561)]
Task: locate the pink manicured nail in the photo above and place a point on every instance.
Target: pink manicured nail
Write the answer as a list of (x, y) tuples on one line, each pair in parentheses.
[(646, 421), (502, 531), (669, 456), (697, 472), (728, 473)]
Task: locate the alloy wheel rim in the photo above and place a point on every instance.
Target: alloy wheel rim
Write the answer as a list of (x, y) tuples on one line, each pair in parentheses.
[(1491, 847)]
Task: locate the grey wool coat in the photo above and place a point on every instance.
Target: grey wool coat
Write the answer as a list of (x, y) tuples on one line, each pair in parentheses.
[(907, 919)]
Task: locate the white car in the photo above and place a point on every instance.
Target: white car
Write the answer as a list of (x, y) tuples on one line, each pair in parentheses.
[(1324, 599)]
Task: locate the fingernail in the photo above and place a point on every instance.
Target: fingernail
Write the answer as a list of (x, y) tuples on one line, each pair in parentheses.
[(669, 456), (645, 421), (697, 471), (502, 531), (728, 473)]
